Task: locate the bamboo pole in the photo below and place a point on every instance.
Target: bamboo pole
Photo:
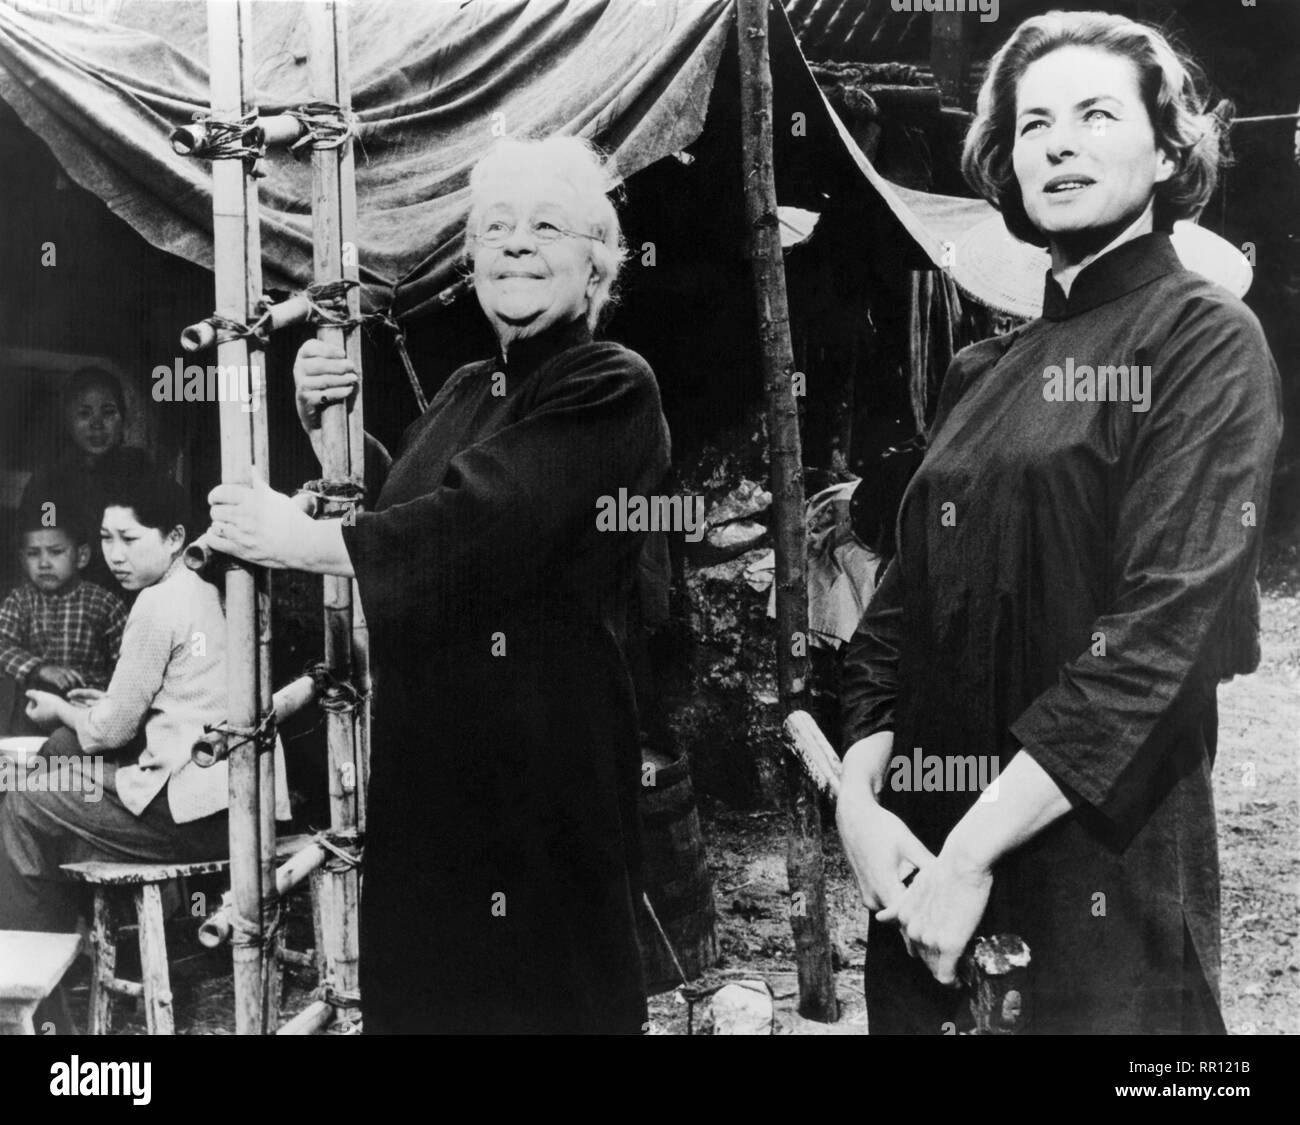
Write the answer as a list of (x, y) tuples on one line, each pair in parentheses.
[(342, 459), (315, 1017), (244, 452), (804, 866), (270, 927)]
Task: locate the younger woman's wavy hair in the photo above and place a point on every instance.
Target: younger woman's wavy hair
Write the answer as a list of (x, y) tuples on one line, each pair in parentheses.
[(1172, 88), (593, 177)]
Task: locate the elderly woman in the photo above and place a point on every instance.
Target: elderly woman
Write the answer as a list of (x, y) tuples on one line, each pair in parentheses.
[(500, 865), (1071, 575)]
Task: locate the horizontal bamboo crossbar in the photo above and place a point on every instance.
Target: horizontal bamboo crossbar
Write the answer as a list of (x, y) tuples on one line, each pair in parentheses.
[(296, 957), (132, 988), (275, 131), (274, 318), (313, 1018), (286, 703), (219, 925)]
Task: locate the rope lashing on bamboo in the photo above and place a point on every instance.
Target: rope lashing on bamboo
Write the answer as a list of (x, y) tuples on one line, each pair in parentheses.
[(214, 137), (339, 697), (333, 694), (223, 330), (331, 994), (327, 303), (324, 126), (387, 320), (336, 498), (233, 737), (324, 840), (244, 932)]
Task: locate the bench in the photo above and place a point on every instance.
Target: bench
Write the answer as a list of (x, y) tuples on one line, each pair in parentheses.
[(142, 882), (31, 965)]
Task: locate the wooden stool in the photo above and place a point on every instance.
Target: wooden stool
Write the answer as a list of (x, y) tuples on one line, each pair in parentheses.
[(31, 965), (144, 881)]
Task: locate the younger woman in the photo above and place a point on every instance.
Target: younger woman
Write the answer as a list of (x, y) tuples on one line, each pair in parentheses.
[(1074, 572)]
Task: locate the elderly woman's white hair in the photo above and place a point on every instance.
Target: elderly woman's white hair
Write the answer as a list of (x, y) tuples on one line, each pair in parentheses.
[(580, 164)]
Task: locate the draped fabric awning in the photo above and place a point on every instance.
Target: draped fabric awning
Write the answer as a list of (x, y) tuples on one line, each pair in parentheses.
[(433, 82)]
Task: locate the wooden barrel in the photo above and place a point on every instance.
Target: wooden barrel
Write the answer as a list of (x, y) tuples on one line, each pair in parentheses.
[(676, 872)]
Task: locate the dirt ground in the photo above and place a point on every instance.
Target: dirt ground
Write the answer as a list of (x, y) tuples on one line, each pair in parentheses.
[(1258, 801), (1257, 797)]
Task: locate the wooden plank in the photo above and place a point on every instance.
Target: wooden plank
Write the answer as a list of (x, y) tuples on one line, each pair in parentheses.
[(804, 863), (104, 873), (33, 962)]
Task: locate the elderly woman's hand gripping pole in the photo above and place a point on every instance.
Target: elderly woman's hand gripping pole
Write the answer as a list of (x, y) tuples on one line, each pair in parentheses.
[(266, 528)]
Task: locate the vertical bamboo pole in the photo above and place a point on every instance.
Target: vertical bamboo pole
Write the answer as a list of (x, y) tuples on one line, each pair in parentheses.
[(346, 650), (267, 859), (350, 270), (804, 868), (238, 277)]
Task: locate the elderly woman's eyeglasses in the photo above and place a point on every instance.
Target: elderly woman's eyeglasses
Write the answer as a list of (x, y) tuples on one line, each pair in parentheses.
[(498, 232)]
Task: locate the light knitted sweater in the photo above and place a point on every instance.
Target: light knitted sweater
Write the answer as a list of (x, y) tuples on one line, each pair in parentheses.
[(170, 679)]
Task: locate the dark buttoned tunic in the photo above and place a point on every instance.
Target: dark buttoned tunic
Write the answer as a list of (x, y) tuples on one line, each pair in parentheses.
[(1075, 577), (501, 852)]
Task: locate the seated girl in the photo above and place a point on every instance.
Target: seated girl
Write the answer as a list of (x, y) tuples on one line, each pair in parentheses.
[(170, 680)]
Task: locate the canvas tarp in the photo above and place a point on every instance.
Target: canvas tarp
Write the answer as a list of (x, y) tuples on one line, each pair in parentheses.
[(433, 81)]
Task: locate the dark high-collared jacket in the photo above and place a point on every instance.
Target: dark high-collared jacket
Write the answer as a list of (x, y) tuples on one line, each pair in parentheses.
[(501, 852), (1077, 555)]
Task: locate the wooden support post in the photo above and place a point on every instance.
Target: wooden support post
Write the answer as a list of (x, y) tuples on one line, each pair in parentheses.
[(155, 979), (804, 866), (238, 271), (950, 49), (103, 938), (342, 448)]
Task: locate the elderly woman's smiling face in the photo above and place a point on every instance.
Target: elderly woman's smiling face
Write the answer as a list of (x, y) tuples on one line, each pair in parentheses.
[(527, 284), (1085, 154)]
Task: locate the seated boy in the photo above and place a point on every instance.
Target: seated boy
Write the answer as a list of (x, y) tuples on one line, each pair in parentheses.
[(57, 630)]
